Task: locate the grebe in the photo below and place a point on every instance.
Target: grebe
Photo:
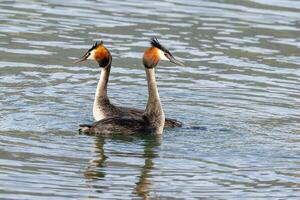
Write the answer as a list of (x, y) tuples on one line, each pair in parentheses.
[(153, 118), (102, 107)]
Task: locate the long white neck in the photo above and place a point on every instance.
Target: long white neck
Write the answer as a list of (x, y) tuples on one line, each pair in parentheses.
[(101, 94), (154, 111)]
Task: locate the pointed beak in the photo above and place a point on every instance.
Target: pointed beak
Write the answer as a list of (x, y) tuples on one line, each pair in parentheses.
[(83, 58), (173, 60)]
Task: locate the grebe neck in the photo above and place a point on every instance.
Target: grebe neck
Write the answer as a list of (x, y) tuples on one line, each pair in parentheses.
[(101, 98), (154, 112)]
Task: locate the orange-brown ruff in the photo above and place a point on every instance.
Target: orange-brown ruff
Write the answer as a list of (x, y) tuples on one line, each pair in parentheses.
[(101, 54), (151, 56)]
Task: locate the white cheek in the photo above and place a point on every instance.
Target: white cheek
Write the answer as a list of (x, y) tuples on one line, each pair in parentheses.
[(162, 55), (92, 55)]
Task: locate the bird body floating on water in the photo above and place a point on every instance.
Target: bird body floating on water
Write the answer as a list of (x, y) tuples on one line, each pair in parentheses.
[(152, 119), (102, 107)]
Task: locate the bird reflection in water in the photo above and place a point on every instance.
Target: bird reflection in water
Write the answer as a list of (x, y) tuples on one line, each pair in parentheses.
[(91, 172), (99, 167)]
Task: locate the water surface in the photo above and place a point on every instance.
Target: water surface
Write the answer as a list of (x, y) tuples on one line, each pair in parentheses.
[(239, 90)]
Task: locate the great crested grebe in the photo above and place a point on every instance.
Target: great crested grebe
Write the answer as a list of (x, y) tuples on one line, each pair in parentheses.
[(153, 118), (102, 107)]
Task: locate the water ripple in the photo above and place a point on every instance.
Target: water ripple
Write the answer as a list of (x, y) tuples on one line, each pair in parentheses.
[(238, 96)]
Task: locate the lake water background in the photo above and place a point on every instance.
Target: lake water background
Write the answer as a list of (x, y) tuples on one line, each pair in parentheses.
[(238, 96)]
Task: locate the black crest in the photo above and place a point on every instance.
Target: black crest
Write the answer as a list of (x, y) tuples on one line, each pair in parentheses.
[(155, 43), (95, 45)]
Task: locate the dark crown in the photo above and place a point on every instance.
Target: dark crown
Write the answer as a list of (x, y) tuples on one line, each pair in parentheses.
[(155, 43), (95, 45)]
